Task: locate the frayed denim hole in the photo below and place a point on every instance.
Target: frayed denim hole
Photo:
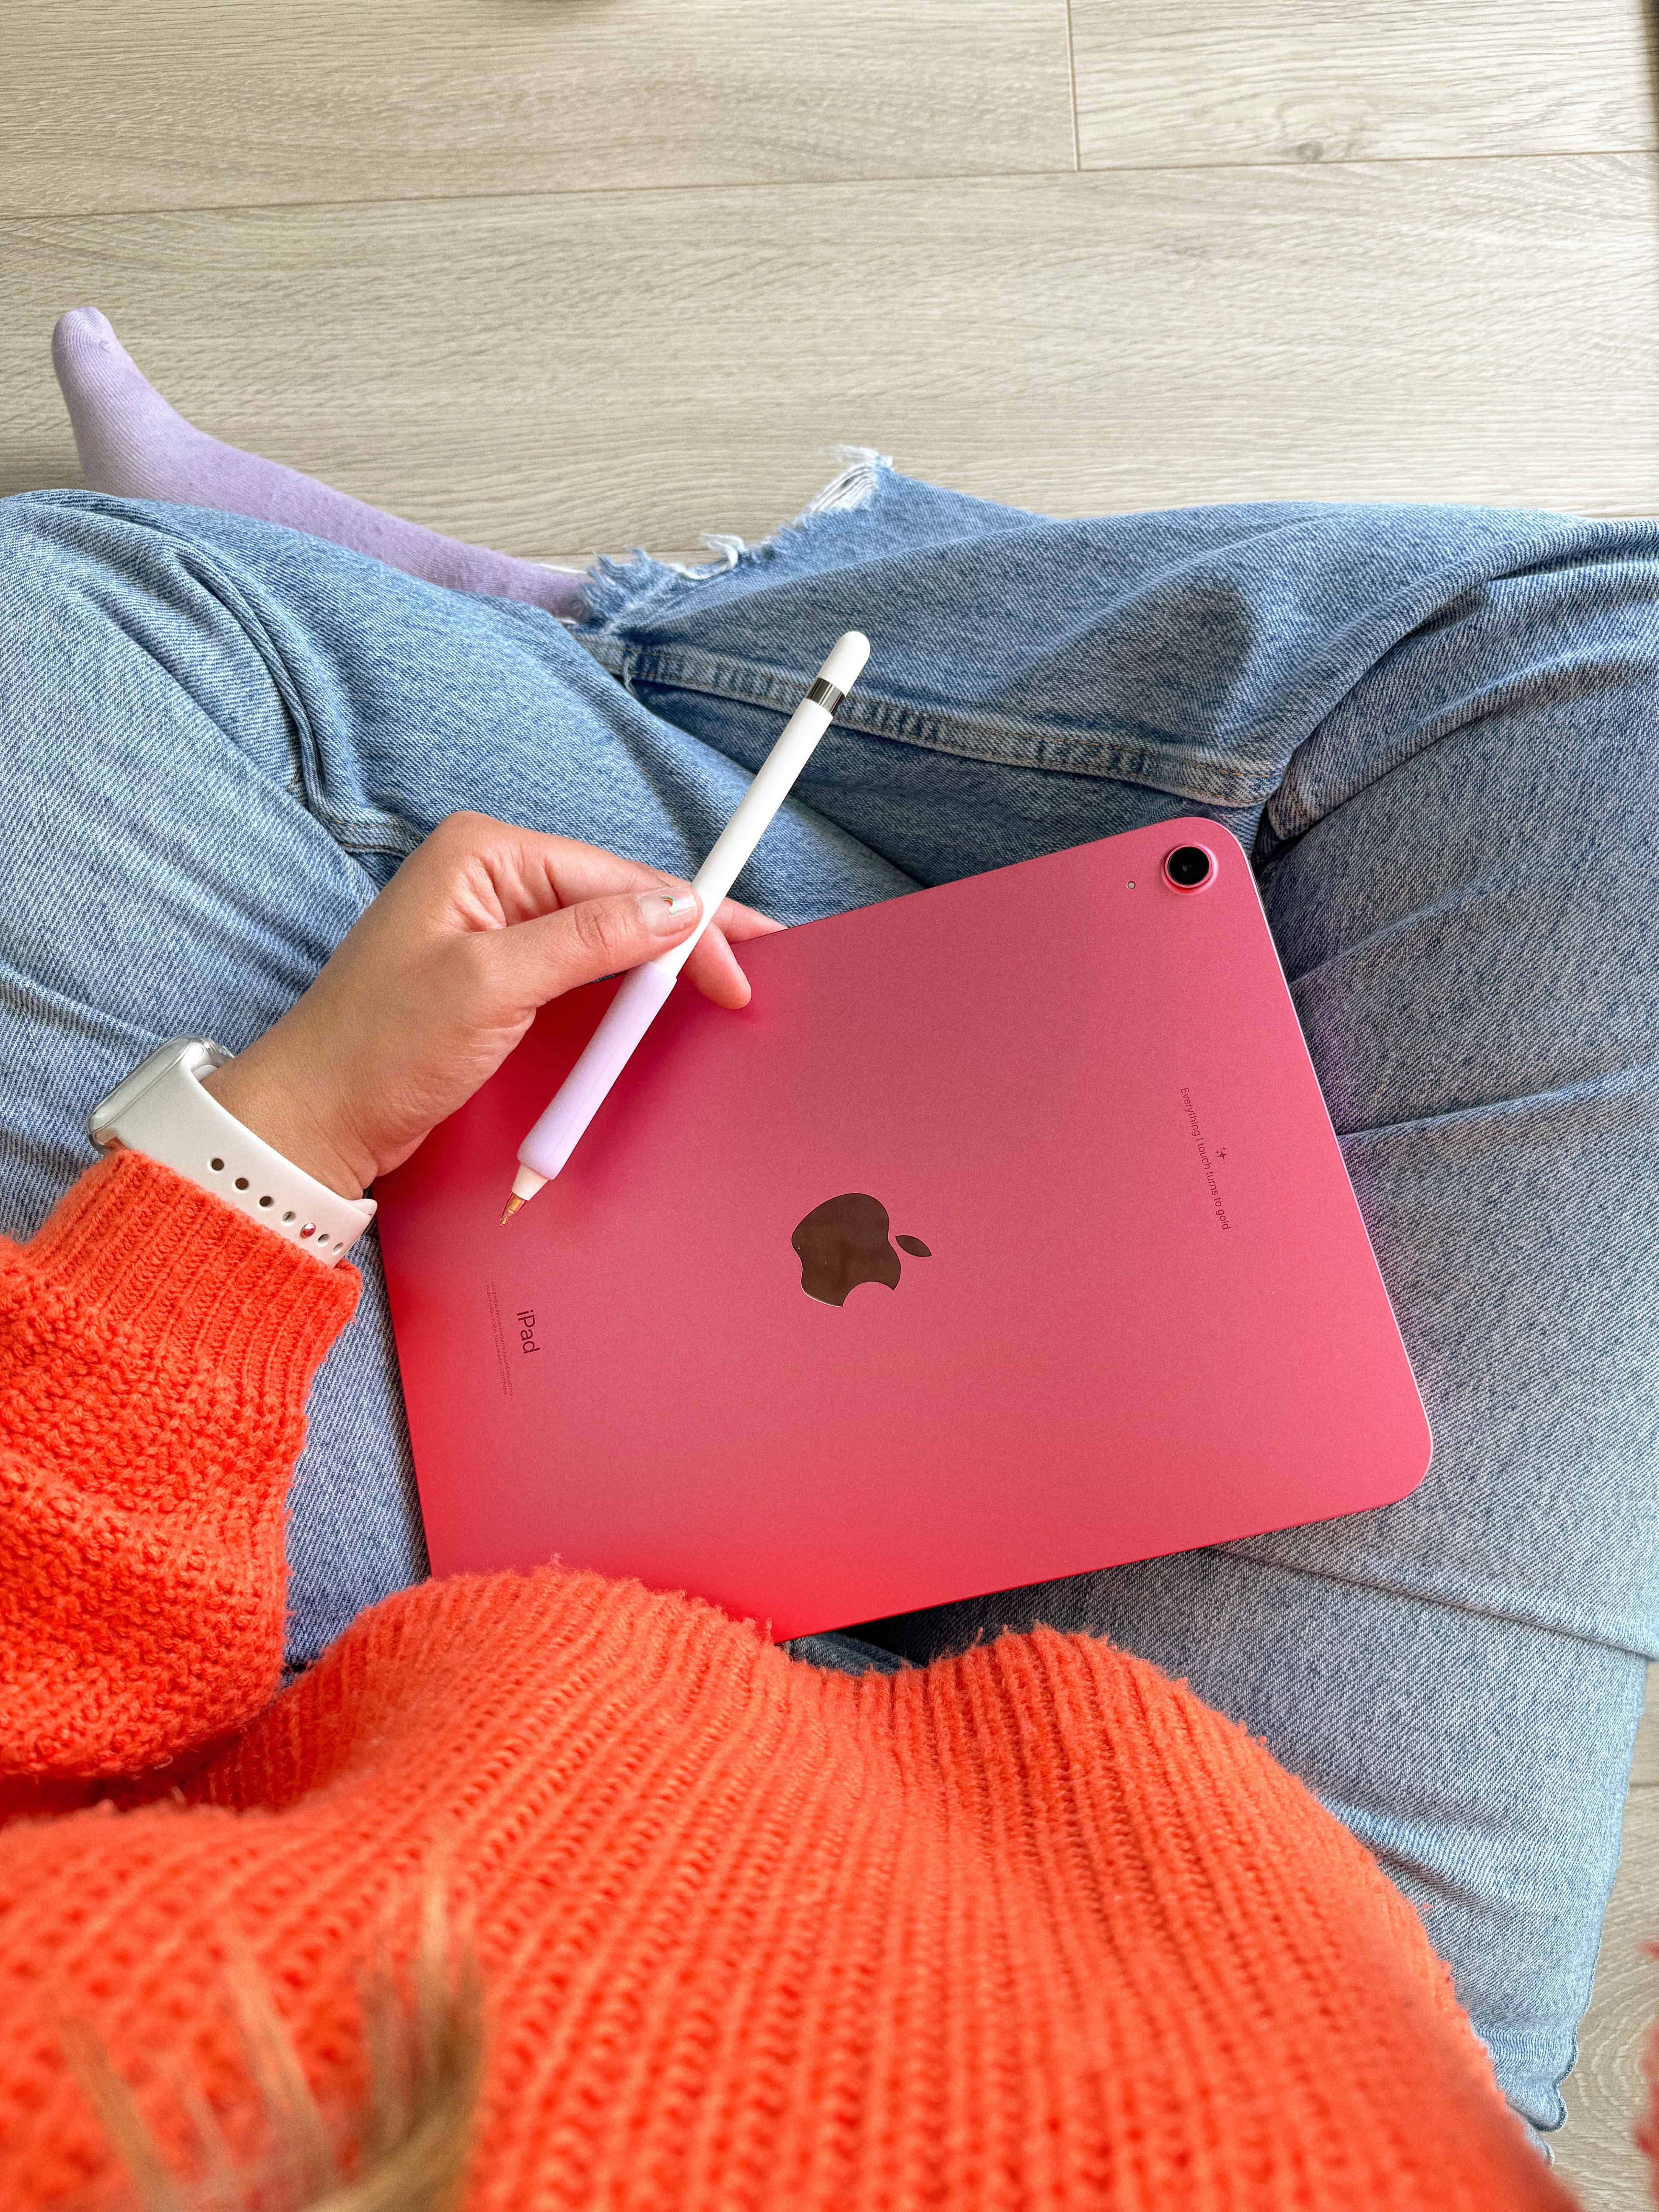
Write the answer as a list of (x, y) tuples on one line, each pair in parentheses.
[(620, 591)]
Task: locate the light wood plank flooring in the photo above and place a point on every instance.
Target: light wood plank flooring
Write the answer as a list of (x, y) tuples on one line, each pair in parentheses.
[(609, 273), (1595, 2150), (216, 103), (1233, 81), (559, 369)]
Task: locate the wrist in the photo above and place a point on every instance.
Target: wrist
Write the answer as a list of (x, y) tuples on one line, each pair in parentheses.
[(254, 1089), (137, 1239)]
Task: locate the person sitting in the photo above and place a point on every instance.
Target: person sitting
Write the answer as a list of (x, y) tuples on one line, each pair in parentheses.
[(1267, 1876)]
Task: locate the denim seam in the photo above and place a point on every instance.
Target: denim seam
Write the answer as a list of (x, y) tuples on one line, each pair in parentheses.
[(1581, 1087), (373, 832), (365, 832), (1244, 1548), (1168, 768)]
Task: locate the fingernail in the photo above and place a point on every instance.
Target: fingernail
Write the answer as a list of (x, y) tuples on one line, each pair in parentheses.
[(666, 913)]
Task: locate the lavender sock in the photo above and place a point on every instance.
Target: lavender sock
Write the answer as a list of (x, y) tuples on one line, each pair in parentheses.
[(132, 443)]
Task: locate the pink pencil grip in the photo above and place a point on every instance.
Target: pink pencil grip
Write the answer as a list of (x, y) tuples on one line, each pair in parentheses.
[(608, 1051)]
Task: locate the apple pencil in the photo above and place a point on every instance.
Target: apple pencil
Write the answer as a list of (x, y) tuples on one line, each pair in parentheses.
[(645, 990)]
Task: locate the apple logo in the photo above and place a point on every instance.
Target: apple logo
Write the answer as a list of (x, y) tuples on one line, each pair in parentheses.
[(843, 1242)]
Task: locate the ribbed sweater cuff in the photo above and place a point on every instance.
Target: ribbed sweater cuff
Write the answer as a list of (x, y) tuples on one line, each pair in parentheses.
[(186, 1275)]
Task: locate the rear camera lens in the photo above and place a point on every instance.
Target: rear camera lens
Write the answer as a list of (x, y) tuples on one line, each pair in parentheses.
[(1189, 867)]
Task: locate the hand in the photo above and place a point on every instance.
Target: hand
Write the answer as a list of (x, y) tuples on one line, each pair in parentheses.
[(430, 989)]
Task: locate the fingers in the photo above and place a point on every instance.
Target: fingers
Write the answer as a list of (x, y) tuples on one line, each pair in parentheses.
[(496, 876), (530, 872), (714, 969), (737, 923), (538, 959)]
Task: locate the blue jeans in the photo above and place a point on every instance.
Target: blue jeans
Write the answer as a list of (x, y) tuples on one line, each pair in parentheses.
[(1433, 729)]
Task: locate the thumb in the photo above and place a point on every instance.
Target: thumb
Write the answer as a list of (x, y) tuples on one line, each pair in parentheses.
[(556, 952)]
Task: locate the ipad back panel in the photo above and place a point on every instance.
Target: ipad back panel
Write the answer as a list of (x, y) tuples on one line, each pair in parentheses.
[(1147, 1316)]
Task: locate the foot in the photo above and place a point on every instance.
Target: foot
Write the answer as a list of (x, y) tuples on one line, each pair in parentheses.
[(132, 444)]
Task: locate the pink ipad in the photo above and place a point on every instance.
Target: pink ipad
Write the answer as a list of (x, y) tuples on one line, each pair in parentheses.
[(1004, 1234)]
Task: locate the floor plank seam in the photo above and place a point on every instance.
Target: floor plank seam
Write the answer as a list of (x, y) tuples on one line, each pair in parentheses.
[(816, 184), (1365, 162), (1070, 72), (564, 192)]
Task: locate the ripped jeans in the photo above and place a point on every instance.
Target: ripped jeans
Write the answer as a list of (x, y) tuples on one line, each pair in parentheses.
[(1432, 728)]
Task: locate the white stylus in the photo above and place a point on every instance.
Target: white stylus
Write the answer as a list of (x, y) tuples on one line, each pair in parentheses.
[(645, 989)]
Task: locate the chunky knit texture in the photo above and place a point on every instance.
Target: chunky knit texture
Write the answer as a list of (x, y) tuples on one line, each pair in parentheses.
[(1030, 1927)]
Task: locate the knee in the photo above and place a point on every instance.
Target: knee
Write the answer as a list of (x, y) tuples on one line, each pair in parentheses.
[(55, 548), (52, 615), (91, 665)]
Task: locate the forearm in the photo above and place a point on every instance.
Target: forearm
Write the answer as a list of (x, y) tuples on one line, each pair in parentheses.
[(156, 1349)]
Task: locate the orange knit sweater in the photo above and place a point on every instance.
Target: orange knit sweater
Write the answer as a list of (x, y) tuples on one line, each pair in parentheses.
[(1027, 1929)]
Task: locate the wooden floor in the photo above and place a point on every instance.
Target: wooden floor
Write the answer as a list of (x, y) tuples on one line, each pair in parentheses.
[(1595, 2148), (572, 275)]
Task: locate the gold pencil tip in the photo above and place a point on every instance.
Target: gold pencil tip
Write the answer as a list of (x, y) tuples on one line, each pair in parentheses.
[(510, 1207)]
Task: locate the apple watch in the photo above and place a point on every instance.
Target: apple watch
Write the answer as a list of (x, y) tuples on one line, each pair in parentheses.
[(163, 1111)]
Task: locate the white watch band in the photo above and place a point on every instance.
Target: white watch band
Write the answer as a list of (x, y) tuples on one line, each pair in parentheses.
[(163, 1111)]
